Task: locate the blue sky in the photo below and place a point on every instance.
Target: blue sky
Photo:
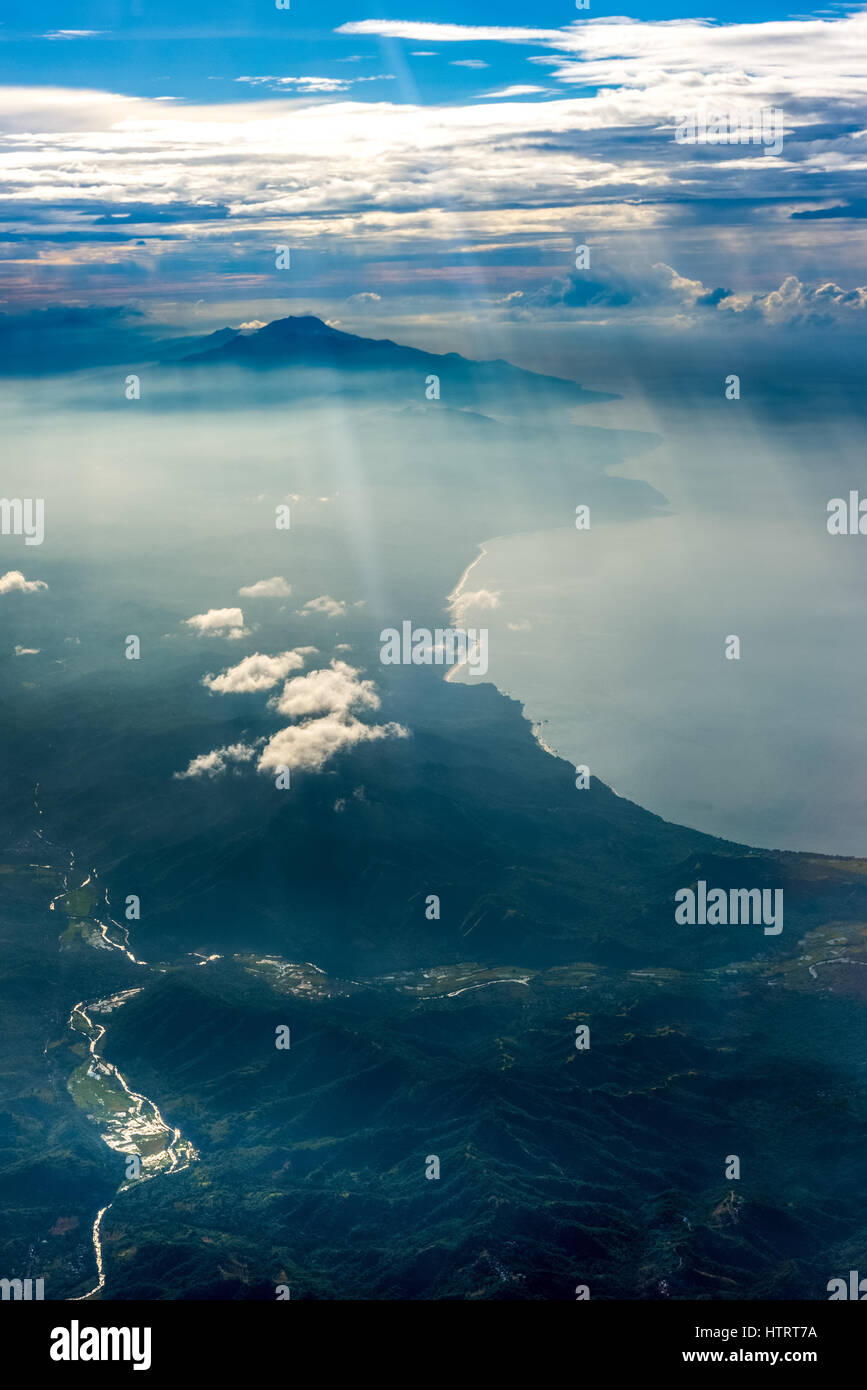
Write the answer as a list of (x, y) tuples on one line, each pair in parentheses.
[(430, 165), (148, 49)]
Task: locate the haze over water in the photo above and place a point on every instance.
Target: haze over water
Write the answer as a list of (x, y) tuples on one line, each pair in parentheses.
[(615, 638)]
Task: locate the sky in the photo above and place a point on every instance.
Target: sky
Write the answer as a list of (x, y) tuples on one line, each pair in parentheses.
[(431, 167)]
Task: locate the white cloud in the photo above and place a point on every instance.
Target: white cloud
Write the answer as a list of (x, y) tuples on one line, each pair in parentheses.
[(512, 92), (252, 326), (334, 691), (219, 622), (13, 581), (266, 588), (794, 302), (461, 604), (365, 295), (304, 84), (26, 651), (468, 63), (447, 33), (217, 761), (310, 745), (257, 672), (314, 85), (331, 607)]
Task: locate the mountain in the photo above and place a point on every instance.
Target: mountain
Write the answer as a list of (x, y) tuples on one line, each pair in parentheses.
[(173, 349), (305, 343)]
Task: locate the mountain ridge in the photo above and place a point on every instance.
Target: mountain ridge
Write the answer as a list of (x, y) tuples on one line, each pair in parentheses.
[(307, 341)]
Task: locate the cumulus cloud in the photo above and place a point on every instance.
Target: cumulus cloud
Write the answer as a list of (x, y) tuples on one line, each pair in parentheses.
[(26, 651), (310, 745), (649, 286), (257, 672), (266, 588), (660, 287), (334, 691), (13, 581), (794, 303), (463, 603), (219, 622), (218, 760), (366, 296), (330, 607)]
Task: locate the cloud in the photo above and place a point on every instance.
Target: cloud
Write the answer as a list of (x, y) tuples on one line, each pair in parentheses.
[(364, 296), (462, 603), (490, 176), (310, 745), (330, 607), (468, 63), (314, 85), (219, 622), (217, 761), (448, 33), (334, 691), (512, 92), (26, 651), (856, 207), (304, 84), (660, 287), (794, 303), (266, 588), (257, 672), (252, 326), (13, 581), (73, 34), (324, 701)]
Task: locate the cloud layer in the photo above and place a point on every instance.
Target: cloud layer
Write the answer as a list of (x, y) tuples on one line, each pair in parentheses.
[(99, 189)]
